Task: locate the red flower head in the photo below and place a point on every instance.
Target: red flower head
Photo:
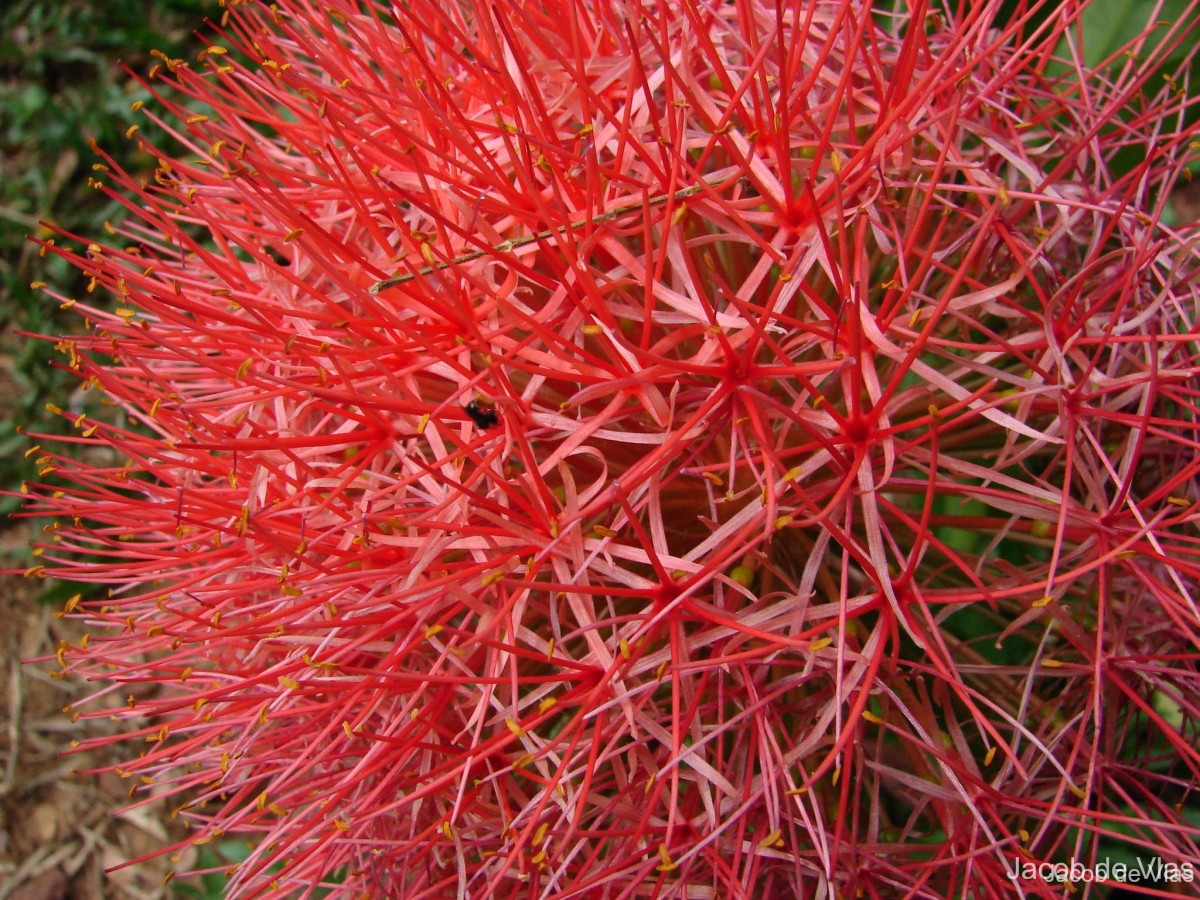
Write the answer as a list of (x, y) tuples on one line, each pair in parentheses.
[(680, 449)]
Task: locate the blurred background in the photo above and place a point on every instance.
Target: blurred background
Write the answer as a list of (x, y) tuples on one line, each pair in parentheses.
[(62, 84)]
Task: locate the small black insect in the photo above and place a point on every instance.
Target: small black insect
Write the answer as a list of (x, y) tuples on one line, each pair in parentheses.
[(482, 413)]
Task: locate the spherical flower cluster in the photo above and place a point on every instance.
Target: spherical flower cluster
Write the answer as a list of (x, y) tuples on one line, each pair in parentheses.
[(667, 449)]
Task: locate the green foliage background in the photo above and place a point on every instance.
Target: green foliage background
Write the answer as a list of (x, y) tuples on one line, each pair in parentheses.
[(61, 85)]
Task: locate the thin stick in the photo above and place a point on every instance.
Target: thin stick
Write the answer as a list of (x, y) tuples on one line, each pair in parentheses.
[(513, 243)]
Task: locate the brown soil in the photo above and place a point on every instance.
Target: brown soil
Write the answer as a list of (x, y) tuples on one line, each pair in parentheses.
[(61, 831)]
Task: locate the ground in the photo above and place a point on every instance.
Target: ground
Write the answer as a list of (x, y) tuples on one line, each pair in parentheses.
[(61, 828)]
